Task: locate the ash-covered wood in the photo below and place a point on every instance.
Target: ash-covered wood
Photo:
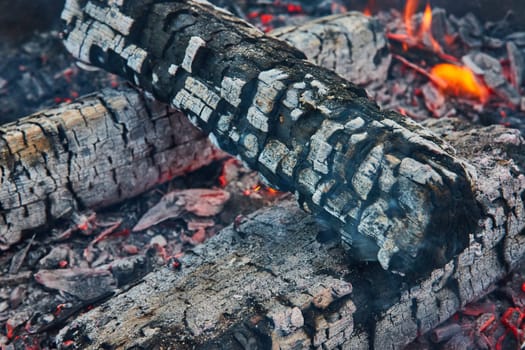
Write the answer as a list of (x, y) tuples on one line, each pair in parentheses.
[(249, 287), (100, 150), (391, 188), (350, 44)]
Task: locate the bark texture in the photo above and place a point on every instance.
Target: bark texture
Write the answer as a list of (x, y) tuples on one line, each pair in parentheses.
[(100, 150), (249, 288), (391, 188)]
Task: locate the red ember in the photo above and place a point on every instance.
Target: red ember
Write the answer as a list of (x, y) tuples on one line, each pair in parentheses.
[(294, 8), (266, 18)]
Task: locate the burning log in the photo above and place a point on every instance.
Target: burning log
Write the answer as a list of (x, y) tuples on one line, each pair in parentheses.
[(189, 149), (391, 188), (249, 287), (97, 151)]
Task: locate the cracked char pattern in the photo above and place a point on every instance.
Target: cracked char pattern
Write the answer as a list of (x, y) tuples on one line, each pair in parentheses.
[(102, 149), (392, 189)]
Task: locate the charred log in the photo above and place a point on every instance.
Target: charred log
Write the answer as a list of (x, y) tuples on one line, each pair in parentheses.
[(100, 150), (391, 188), (249, 287), (349, 29)]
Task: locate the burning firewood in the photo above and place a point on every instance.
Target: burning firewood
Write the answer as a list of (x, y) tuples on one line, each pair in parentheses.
[(391, 188), (190, 151), (100, 150)]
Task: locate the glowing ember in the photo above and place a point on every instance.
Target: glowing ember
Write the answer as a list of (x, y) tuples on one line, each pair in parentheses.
[(83, 226), (272, 190), (68, 343), (229, 171), (59, 309), (262, 189), (292, 8), (459, 81), (266, 18), (222, 181), (487, 323), (10, 330)]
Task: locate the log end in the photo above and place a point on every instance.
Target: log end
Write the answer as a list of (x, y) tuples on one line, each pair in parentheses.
[(418, 206)]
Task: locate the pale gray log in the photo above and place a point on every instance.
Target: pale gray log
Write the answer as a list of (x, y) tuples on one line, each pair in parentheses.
[(350, 44), (100, 150)]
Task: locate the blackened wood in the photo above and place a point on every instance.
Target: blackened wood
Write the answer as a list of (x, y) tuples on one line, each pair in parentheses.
[(100, 150), (249, 287), (391, 188)]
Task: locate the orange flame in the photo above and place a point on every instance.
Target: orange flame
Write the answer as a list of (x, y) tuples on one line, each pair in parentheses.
[(410, 9), (459, 81), (425, 30), (369, 8), (272, 190), (426, 25)]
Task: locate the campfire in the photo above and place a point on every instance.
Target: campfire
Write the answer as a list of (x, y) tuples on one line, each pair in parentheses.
[(432, 65), (453, 65), (470, 70), (450, 77)]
